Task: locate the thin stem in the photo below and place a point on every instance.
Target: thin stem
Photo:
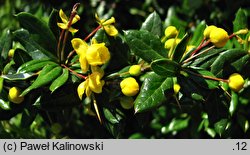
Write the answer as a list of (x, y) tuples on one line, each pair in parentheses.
[(92, 33), (59, 44), (73, 72), (208, 77), (200, 46), (190, 58)]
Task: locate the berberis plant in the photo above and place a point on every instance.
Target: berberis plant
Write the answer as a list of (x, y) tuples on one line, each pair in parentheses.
[(162, 78)]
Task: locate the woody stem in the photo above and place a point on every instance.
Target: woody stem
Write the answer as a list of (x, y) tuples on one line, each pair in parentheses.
[(73, 72)]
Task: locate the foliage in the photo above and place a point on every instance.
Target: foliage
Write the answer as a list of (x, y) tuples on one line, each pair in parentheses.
[(71, 89)]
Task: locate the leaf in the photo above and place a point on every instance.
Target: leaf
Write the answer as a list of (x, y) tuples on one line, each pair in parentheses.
[(222, 65), (21, 57), (5, 44), (28, 116), (34, 65), (153, 24), (165, 67), (233, 103), (221, 126), (198, 34), (152, 92), (53, 19), (180, 48), (38, 27), (243, 122), (33, 48), (178, 124), (5, 105), (20, 76), (240, 21), (47, 75), (145, 45), (62, 79)]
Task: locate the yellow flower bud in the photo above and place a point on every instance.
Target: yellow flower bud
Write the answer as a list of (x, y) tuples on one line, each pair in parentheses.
[(208, 30), (219, 37), (189, 48), (135, 70), (97, 54), (11, 53), (14, 94), (127, 102), (171, 32), (171, 42), (177, 88), (242, 31), (129, 86), (236, 82)]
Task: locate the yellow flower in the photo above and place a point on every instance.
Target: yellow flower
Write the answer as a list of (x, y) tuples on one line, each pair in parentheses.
[(177, 88), (171, 42), (97, 54), (135, 70), (11, 53), (219, 37), (171, 32), (93, 83), (236, 82), (65, 22), (81, 47), (107, 25), (208, 30), (129, 86), (14, 94)]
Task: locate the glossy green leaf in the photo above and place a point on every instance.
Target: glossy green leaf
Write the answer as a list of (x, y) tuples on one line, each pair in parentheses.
[(243, 122), (34, 65), (5, 105), (165, 67), (1, 83), (32, 48), (198, 34), (152, 92), (8, 67), (40, 29), (221, 126), (47, 75), (240, 21), (20, 76), (222, 65), (180, 48), (60, 80), (233, 103), (145, 45), (178, 124), (153, 24), (21, 57), (5, 44)]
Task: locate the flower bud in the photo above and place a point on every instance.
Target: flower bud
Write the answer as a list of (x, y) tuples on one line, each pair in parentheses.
[(127, 102), (242, 31), (219, 37), (11, 53), (135, 70), (14, 94), (129, 86), (171, 32), (177, 88), (171, 42), (208, 30), (236, 82)]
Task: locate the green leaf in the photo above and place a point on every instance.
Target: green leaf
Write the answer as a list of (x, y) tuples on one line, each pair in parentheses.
[(178, 124), (145, 45), (221, 126), (153, 24), (53, 19), (5, 44), (198, 34), (20, 76), (152, 92), (28, 116), (173, 20), (47, 75), (21, 57), (34, 65), (233, 103), (243, 122), (222, 66), (40, 29), (240, 21), (33, 48), (165, 67), (5, 105), (180, 48), (62, 79)]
